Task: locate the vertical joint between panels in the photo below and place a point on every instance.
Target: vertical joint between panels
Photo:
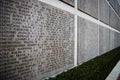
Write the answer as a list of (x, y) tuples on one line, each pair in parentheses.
[(98, 10), (98, 40), (75, 41), (75, 38), (98, 28), (76, 4)]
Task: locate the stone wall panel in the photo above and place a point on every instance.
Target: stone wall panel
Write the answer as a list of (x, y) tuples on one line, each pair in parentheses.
[(87, 40), (36, 40)]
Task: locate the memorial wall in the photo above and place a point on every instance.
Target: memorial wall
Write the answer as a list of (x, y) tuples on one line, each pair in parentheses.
[(37, 39)]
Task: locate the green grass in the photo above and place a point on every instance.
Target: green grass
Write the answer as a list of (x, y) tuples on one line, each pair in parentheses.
[(95, 69)]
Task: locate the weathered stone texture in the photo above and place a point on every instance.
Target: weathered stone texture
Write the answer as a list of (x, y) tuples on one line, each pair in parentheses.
[(87, 40), (89, 6), (36, 40), (104, 40), (104, 11)]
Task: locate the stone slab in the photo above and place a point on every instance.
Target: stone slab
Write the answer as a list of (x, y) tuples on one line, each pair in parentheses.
[(118, 25), (113, 20), (117, 39), (36, 40), (112, 38), (117, 6), (87, 40), (119, 11), (104, 40), (104, 11), (89, 6)]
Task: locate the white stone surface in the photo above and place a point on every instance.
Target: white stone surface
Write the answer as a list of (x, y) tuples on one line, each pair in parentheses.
[(115, 72), (88, 43), (104, 40)]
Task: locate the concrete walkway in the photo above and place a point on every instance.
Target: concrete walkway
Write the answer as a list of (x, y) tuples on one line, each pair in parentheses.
[(115, 73)]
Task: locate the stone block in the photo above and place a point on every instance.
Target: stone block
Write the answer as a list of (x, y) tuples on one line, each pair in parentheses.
[(112, 39), (36, 40), (104, 11), (104, 40), (113, 20), (89, 6), (116, 6), (88, 42), (117, 39)]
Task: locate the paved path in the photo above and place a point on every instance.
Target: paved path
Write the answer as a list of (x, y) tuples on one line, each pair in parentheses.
[(115, 74)]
